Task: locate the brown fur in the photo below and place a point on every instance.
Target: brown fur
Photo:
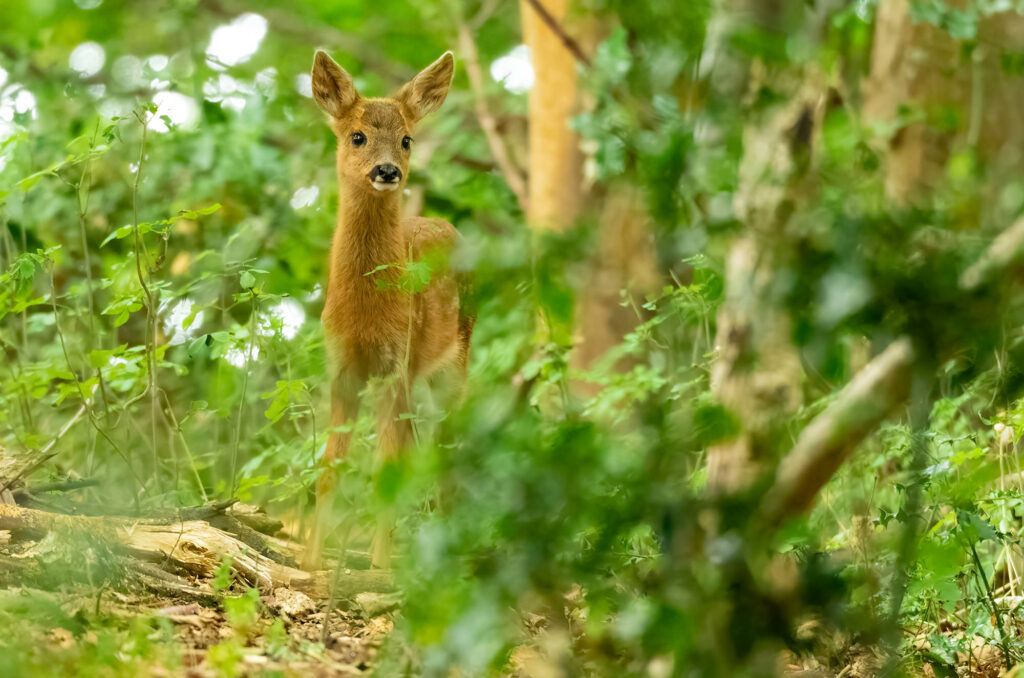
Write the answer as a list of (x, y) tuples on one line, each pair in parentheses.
[(372, 328)]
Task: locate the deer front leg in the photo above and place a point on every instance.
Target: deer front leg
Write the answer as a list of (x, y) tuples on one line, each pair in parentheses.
[(394, 433), (345, 390)]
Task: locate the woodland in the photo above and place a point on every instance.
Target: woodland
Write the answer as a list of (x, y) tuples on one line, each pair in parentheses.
[(744, 394)]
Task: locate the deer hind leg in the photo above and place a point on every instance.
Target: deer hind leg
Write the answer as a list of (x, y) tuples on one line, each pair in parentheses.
[(345, 390), (448, 384), (394, 434)]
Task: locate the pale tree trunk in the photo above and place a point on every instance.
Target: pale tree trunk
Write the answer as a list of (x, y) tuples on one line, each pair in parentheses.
[(757, 373)]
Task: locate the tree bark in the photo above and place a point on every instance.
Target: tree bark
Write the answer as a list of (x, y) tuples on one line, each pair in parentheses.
[(625, 262), (955, 98), (196, 548), (555, 168), (757, 374)]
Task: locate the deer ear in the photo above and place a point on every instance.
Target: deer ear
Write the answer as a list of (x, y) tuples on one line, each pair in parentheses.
[(427, 91), (333, 88)]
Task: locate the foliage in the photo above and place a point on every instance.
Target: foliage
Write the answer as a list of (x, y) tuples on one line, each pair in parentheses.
[(164, 223)]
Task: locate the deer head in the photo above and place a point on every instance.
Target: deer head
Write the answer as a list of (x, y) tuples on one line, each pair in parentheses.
[(375, 135)]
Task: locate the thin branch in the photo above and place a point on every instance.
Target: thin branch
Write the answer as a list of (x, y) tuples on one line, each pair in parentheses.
[(71, 369), (557, 28), (513, 176), (876, 391), (85, 186), (62, 486), (245, 386), (46, 453), (1006, 247), (987, 589), (486, 11), (288, 23), (151, 309), (176, 427)]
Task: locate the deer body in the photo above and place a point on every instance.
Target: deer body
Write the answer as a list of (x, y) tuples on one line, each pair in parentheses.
[(372, 331), (373, 327)]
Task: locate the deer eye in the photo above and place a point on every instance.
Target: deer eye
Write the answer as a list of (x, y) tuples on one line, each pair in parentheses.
[(407, 143), (358, 138)]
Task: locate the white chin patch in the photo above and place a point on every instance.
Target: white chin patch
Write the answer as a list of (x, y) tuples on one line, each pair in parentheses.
[(385, 186)]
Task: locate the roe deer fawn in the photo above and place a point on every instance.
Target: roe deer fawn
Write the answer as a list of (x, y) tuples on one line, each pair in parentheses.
[(372, 328)]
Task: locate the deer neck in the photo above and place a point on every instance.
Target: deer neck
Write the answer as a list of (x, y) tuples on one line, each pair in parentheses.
[(368, 236)]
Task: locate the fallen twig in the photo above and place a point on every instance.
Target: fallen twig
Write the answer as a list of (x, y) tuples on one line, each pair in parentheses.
[(256, 518), (250, 537)]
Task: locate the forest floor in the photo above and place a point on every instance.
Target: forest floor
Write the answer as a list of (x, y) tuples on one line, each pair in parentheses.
[(206, 591), (206, 641), (214, 590)]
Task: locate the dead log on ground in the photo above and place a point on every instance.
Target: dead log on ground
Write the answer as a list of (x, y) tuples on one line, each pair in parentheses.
[(230, 524), (196, 548), (256, 518)]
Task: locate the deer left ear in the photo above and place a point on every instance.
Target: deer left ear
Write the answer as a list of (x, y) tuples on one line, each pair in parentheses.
[(426, 92)]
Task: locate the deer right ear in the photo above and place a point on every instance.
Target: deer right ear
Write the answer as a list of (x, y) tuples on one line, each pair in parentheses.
[(333, 88)]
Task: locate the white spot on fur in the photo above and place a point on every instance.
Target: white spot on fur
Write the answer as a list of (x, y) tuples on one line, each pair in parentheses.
[(384, 186)]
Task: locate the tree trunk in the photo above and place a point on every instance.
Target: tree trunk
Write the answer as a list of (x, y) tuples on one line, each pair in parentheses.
[(625, 262), (955, 98), (555, 181), (757, 374)]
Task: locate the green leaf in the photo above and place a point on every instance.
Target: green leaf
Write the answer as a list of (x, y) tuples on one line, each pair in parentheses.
[(191, 317), (119, 234), (202, 211), (101, 358), (974, 527)]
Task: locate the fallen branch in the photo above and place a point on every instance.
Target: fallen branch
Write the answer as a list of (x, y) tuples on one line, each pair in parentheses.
[(23, 493), (156, 515), (60, 486), (251, 538), (162, 583), (15, 571), (356, 560), (256, 518), (196, 548), (872, 395)]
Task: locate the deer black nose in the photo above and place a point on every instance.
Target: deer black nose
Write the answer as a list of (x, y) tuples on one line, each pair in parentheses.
[(388, 174)]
